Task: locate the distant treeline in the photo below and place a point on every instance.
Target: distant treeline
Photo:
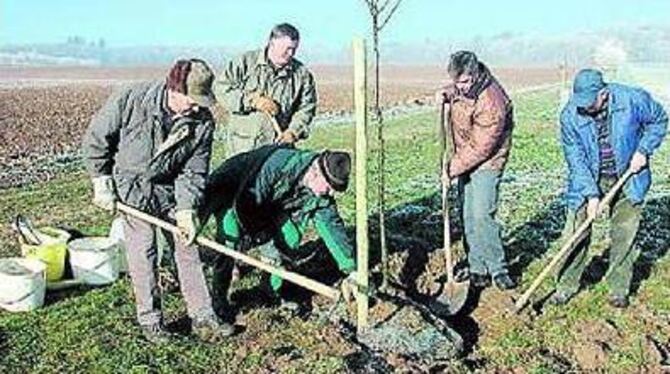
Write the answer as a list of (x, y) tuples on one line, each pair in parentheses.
[(639, 44)]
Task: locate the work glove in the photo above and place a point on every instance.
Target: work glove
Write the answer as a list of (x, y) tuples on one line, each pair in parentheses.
[(187, 222), (104, 194), (264, 104), (287, 137)]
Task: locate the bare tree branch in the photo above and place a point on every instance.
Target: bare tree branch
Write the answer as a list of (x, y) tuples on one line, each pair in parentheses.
[(372, 7), (383, 6), (389, 14)]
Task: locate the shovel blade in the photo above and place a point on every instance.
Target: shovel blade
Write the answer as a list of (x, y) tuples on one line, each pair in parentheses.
[(452, 299)]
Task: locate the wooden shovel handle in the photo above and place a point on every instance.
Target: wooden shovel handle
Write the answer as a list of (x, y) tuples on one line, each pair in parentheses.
[(567, 247), (444, 134), (447, 230)]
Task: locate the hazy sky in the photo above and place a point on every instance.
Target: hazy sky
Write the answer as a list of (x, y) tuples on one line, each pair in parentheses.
[(322, 22)]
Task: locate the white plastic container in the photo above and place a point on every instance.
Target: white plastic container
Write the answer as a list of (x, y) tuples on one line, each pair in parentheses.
[(94, 260), (117, 234), (22, 284)]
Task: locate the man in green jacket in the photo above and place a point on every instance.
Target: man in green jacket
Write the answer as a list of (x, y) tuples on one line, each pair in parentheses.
[(270, 196), (270, 95)]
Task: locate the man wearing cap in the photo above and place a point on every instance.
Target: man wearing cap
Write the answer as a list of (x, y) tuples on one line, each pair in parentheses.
[(480, 120), (149, 147), (607, 128), (269, 197), (269, 94)]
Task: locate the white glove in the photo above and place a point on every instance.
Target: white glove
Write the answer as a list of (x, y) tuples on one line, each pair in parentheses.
[(104, 194), (187, 222)]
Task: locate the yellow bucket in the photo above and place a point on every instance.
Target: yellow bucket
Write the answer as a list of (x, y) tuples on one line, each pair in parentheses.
[(52, 251)]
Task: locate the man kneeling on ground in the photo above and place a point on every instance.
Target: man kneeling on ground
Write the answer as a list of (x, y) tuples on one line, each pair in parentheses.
[(269, 197)]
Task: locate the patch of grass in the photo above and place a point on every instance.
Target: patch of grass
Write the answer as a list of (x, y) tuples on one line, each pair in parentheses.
[(95, 329)]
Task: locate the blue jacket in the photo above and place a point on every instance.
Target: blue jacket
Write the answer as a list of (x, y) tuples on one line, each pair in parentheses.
[(638, 123)]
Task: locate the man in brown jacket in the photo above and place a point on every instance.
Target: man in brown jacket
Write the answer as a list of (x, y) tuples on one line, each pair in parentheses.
[(149, 147), (480, 131)]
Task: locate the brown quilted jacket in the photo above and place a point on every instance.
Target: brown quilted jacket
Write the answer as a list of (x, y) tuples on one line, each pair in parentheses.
[(481, 130)]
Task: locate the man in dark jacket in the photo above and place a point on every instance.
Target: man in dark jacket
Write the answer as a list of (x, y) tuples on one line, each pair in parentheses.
[(607, 128), (480, 134), (270, 196), (149, 147)]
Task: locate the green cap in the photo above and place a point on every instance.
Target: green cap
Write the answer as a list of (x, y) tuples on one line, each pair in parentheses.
[(199, 83)]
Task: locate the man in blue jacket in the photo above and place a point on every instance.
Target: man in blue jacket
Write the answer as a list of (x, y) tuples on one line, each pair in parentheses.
[(607, 128)]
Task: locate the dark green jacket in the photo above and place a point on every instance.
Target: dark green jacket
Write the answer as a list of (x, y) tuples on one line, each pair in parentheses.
[(155, 166), (264, 188)]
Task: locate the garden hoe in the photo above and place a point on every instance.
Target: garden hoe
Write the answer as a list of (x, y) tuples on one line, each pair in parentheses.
[(568, 246), (295, 278)]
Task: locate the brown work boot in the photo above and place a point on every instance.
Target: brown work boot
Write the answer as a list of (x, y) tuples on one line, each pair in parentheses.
[(211, 330)]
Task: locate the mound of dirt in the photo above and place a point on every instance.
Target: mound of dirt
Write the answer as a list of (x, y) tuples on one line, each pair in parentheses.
[(595, 342), (407, 333)]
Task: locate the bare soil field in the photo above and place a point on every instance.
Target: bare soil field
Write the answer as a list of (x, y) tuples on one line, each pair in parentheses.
[(44, 110)]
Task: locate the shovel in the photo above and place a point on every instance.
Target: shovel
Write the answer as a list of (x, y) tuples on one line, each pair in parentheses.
[(454, 294)]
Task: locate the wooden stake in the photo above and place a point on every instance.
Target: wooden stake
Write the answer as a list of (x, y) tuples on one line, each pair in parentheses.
[(360, 101)]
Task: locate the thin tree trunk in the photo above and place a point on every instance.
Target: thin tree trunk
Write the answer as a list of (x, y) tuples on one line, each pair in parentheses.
[(381, 186), (382, 10)]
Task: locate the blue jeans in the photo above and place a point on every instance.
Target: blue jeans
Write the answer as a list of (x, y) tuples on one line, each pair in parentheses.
[(479, 191)]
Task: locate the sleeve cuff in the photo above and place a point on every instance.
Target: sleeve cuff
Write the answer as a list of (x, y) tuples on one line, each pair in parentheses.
[(644, 150), (591, 194), (237, 102)]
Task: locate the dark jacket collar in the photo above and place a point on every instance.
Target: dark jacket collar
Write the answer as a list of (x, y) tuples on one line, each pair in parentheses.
[(481, 83)]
